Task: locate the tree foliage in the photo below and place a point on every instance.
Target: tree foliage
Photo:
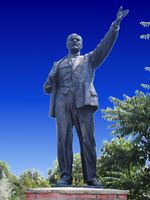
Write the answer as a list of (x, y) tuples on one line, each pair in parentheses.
[(4, 168), (32, 179), (118, 168), (8, 180), (131, 117), (28, 179), (77, 170), (6, 188)]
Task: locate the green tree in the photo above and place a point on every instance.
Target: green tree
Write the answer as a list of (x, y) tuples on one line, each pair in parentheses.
[(1, 173), (77, 170), (4, 168), (28, 179), (131, 117), (118, 168), (32, 179), (6, 188), (10, 179)]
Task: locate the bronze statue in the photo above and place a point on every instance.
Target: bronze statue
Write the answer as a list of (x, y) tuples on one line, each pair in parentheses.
[(74, 101)]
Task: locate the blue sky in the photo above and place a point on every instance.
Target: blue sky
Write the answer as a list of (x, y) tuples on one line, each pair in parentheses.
[(32, 37)]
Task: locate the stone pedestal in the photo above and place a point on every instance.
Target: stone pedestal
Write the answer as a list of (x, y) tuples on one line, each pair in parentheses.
[(75, 193)]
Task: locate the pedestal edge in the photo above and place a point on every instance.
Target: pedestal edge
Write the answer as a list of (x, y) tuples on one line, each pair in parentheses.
[(71, 190)]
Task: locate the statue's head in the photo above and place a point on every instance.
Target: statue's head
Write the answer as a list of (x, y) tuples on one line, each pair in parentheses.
[(74, 43)]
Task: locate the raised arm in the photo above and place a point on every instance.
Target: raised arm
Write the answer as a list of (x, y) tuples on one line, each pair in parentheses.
[(98, 55)]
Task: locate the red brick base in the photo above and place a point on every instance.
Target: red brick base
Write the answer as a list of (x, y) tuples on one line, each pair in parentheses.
[(75, 194)]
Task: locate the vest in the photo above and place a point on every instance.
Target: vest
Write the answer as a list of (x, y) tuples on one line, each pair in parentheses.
[(66, 76)]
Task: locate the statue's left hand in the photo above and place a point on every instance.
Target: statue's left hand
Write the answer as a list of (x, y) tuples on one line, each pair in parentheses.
[(121, 15)]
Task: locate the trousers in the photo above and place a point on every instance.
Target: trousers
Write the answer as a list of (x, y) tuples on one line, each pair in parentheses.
[(67, 117)]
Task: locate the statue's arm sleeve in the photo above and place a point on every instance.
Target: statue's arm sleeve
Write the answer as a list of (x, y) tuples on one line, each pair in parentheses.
[(98, 55), (51, 80)]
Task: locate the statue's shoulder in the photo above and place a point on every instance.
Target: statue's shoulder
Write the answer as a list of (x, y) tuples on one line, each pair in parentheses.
[(86, 56), (59, 61)]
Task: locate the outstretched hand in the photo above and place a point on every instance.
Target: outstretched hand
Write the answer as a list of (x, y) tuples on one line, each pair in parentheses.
[(121, 15)]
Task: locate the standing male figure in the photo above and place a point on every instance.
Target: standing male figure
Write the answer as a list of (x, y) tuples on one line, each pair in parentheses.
[(74, 101)]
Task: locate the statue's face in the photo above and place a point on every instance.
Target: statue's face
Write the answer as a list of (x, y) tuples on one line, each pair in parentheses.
[(74, 43)]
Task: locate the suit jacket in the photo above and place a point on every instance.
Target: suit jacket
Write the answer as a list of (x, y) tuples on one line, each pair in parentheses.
[(85, 94)]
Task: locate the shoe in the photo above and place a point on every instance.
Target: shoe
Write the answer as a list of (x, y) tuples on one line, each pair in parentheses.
[(65, 180), (95, 183)]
